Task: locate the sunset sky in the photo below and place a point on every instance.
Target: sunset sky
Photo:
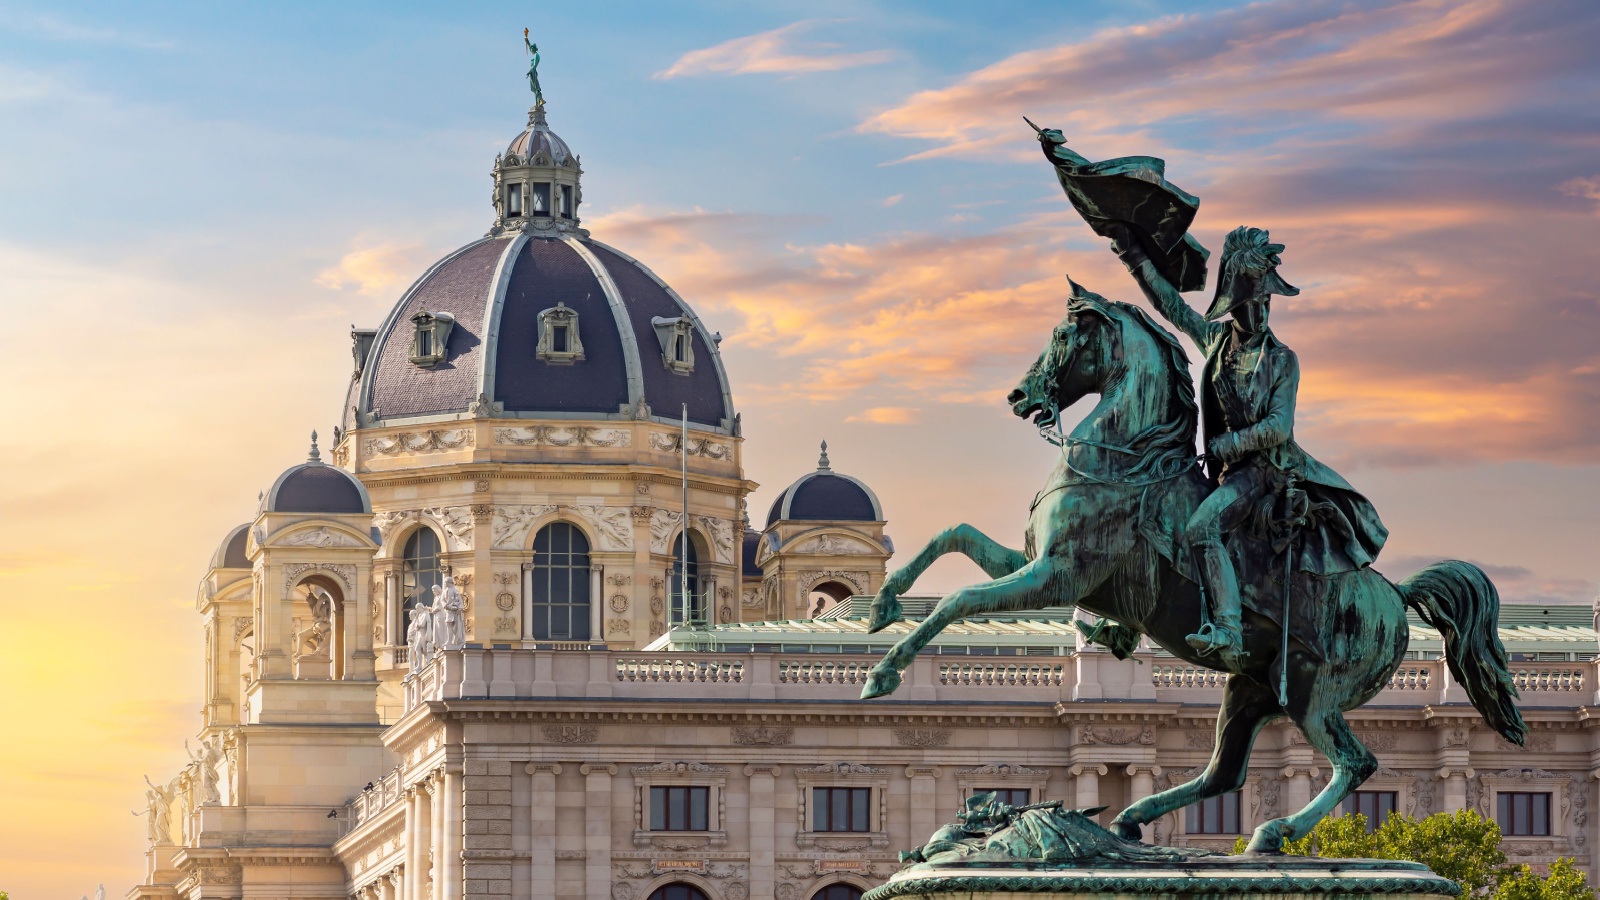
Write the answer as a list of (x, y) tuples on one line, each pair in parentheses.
[(198, 200)]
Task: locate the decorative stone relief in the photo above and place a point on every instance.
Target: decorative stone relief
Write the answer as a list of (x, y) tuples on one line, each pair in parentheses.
[(385, 521), (457, 522), (762, 736), (505, 600), (750, 598), (241, 625), (618, 603), (618, 627), (680, 768), (611, 523), (663, 523), (429, 441), (857, 580), (835, 545), (721, 532), (842, 768), (322, 536), (510, 524), (563, 436), (618, 579), (672, 442), (1116, 737), (570, 734), (1003, 771), (345, 573), (505, 625), (921, 737)]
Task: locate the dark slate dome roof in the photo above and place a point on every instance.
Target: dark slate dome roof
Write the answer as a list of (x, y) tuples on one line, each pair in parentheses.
[(316, 487), (747, 557), (495, 288), (539, 140), (231, 552), (826, 496)]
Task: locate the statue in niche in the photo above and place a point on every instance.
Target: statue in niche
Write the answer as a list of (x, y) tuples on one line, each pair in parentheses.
[(449, 616), (316, 635)]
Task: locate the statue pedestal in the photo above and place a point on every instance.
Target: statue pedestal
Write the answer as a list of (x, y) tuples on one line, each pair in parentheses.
[(1233, 877)]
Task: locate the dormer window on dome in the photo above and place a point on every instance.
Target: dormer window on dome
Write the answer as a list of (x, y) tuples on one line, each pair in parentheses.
[(559, 343), (677, 342), (432, 335)]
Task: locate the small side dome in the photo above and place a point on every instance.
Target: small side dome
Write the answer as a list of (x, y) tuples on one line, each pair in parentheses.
[(230, 553), (316, 487), (826, 496)]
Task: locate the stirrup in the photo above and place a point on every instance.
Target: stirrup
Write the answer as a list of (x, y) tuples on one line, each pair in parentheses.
[(1213, 637)]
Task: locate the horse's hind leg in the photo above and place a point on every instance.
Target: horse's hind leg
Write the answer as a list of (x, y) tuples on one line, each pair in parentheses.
[(1026, 588), (1246, 706), (997, 561), (1353, 763)]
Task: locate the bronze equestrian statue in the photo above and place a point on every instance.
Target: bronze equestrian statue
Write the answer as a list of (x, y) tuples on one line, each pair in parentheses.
[(1257, 564)]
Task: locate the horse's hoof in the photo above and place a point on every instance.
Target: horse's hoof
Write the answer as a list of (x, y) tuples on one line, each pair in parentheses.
[(880, 683), (1128, 831), (885, 612), (1266, 839)]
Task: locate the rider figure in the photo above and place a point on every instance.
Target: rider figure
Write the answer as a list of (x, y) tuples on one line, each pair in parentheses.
[(1248, 390)]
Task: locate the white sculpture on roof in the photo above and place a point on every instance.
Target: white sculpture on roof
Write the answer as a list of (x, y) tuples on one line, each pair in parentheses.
[(449, 616)]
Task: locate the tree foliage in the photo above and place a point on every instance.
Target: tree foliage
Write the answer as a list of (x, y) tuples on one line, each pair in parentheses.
[(1463, 847)]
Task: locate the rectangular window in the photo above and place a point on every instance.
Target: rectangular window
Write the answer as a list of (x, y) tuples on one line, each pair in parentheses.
[(514, 200), (1215, 815), (1375, 805), (558, 339), (424, 342), (679, 808), (541, 199), (841, 809), (678, 349), (566, 201), (1523, 813), (1009, 796)]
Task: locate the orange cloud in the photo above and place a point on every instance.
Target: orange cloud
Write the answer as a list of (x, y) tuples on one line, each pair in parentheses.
[(373, 271), (770, 52)]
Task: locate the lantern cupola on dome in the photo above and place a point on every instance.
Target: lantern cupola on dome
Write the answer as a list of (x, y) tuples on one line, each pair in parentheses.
[(536, 181)]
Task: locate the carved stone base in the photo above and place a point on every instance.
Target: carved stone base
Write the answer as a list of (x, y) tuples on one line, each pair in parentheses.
[(1231, 877)]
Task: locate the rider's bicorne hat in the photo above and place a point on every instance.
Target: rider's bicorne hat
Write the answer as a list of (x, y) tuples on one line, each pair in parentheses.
[(1248, 253)]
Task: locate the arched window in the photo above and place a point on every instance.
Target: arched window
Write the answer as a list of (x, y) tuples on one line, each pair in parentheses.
[(840, 891), (680, 891), (691, 609), (419, 573), (560, 584), (824, 597)]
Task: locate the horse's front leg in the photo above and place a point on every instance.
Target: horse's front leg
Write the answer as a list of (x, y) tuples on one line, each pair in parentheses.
[(1026, 588), (997, 561)]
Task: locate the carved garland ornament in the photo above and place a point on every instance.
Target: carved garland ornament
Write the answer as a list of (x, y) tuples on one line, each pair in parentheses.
[(430, 441), (698, 446), (346, 574), (563, 436)]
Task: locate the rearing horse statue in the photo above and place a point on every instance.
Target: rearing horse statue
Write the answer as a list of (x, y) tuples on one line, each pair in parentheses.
[(1104, 535)]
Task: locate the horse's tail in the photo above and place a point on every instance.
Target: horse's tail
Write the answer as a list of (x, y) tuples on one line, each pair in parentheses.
[(1460, 601)]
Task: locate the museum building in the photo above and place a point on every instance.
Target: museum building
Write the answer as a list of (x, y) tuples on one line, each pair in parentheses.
[(655, 700)]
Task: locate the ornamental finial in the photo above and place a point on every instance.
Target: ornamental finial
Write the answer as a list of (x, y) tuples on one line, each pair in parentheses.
[(315, 455), (822, 461)]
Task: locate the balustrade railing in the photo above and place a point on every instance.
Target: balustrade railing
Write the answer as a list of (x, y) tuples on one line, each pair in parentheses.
[(382, 794), (509, 673)]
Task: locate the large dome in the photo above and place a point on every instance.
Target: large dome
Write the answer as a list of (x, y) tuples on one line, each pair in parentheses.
[(626, 339)]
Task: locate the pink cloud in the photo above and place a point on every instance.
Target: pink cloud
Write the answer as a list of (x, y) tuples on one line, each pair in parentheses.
[(771, 52)]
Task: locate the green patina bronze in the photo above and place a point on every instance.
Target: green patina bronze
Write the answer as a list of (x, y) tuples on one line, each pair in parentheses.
[(533, 69), (1256, 562)]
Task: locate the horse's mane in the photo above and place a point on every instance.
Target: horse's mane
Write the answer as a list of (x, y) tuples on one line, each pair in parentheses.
[(1177, 360)]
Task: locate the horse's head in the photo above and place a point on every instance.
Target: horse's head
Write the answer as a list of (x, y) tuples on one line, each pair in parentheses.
[(1071, 366)]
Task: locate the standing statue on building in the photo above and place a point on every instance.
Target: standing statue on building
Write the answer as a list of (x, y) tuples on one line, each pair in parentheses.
[(449, 616), (533, 69), (419, 636), (206, 759), (158, 801)]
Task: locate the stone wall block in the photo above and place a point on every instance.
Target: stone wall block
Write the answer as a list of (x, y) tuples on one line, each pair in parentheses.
[(486, 783), (475, 767), (488, 871), (499, 767), (487, 841), (488, 812)]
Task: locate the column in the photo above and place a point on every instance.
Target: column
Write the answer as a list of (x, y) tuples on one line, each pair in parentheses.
[(542, 803), (416, 844), (597, 604), (763, 828), (359, 661), (1297, 787), (436, 830), (391, 886), (450, 860), (924, 817), (391, 607), (1087, 780), (1454, 782), (526, 603), (1142, 781), (272, 631), (597, 829)]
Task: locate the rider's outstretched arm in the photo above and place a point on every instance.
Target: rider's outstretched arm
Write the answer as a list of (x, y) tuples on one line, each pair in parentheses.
[(1160, 292)]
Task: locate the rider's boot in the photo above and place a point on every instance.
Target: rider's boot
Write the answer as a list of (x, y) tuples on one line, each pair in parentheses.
[(1224, 634)]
